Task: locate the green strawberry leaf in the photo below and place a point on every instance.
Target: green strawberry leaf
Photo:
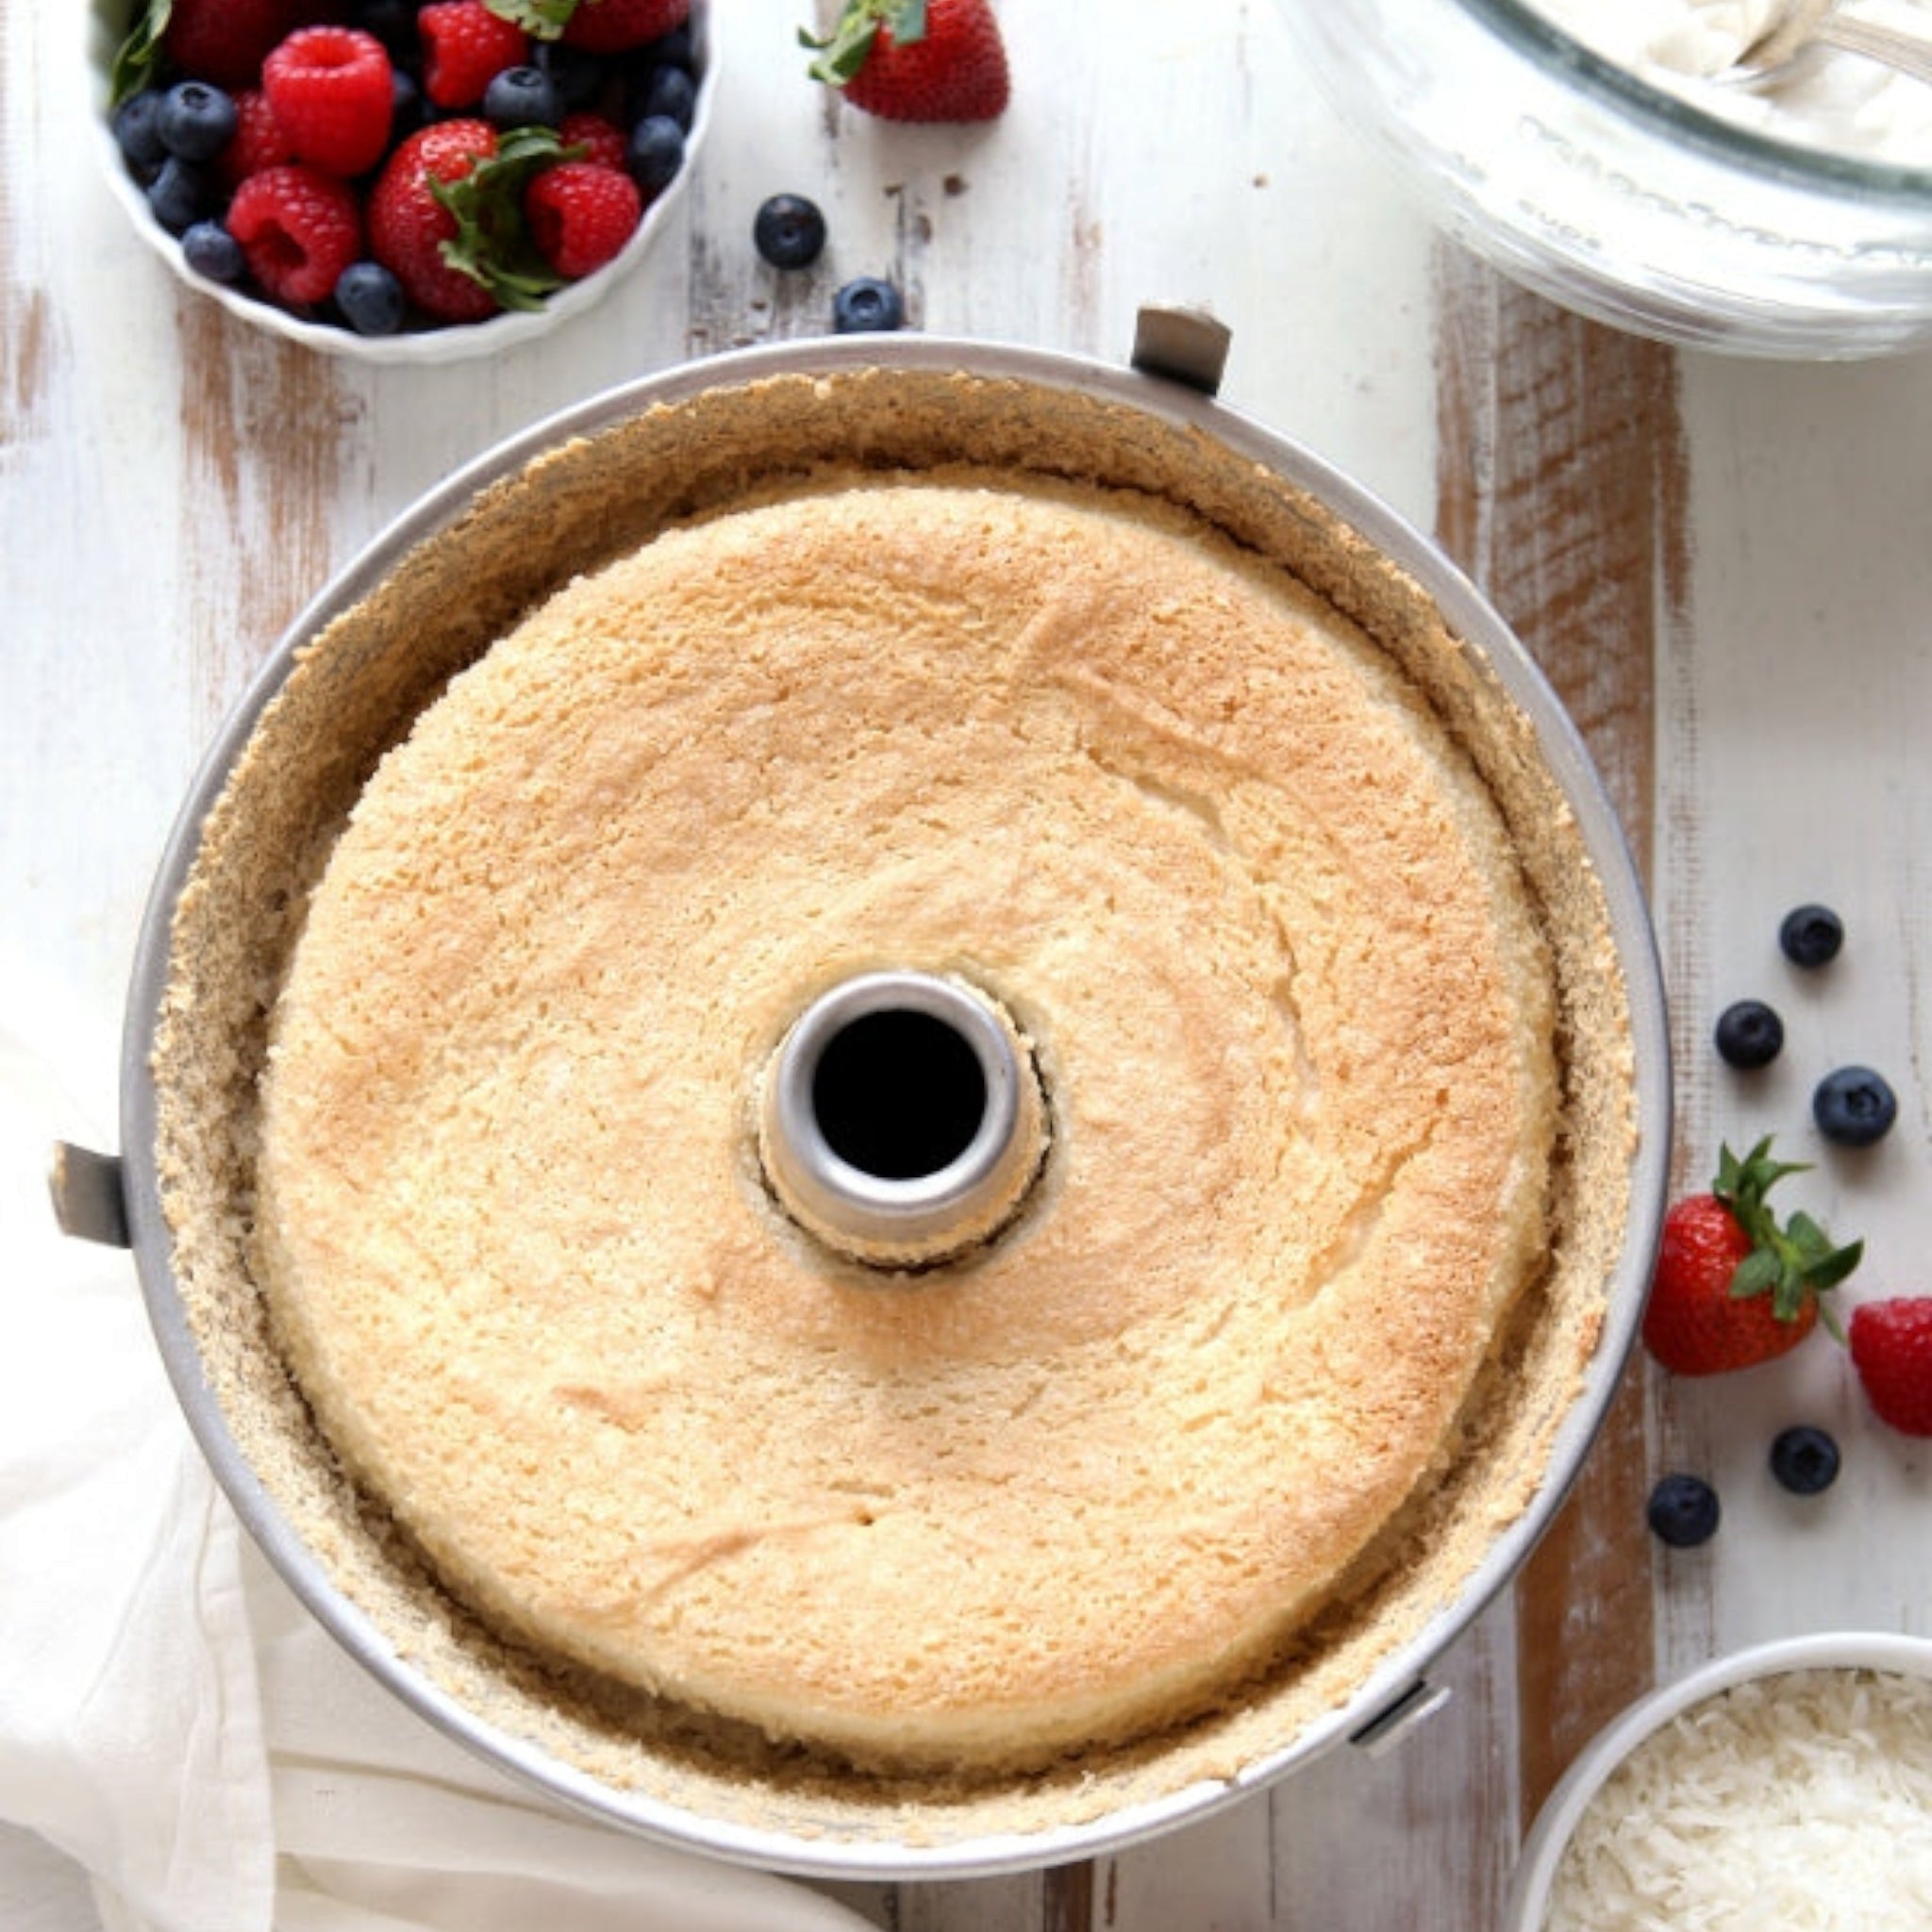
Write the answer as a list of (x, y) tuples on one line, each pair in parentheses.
[(140, 53), (1829, 1270), (1796, 1263), (493, 244), (847, 47), (1758, 1271), (542, 20)]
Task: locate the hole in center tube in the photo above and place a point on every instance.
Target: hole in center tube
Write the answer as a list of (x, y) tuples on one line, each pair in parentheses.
[(898, 1095)]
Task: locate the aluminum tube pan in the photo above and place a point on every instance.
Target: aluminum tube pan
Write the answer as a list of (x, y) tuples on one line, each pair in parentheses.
[(1468, 615)]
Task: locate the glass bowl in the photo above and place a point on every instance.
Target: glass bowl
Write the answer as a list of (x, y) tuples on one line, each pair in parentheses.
[(106, 25), (1621, 201)]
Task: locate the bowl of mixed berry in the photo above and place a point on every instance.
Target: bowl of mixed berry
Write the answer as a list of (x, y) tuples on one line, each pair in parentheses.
[(397, 180)]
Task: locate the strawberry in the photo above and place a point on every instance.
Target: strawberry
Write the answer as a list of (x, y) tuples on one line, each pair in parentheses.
[(445, 217), (465, 46), (299, 228), (581, 215), (596, 27), (1891, 1350), (226, 41), (916, 59), (615, 26), (1731, 1288), (408, 225), (332, 92)]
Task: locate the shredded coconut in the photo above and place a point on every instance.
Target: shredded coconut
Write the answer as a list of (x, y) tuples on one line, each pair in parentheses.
[(1800, 1802)]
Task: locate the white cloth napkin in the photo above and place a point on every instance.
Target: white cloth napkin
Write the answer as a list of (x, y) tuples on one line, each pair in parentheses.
[(172, 1720)]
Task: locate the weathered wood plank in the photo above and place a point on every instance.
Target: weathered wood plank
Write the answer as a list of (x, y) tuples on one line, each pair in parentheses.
[(1564, 488), (1791, 767), (264, 440)]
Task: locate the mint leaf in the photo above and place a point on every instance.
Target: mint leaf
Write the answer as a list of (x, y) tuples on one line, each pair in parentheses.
[(140, 53)]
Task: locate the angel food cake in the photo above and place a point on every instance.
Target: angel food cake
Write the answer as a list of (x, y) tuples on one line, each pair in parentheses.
[(1259, 923)]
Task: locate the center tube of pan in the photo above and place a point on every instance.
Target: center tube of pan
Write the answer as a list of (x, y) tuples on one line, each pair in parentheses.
[(902, 1121)]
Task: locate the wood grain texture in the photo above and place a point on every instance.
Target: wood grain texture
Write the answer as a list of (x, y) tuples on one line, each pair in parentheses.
[(1564, 493), (26, 314), (1792, 723), (264, 429)]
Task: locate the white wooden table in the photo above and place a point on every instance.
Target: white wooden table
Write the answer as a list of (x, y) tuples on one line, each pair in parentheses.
[(1726, 566)]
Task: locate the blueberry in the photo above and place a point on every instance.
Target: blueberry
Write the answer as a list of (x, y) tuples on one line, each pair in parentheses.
[(674, 49), (1811, 934), (392, 22), (179, 195), (657, 151), (408, 109), (576, 75), (522, 97), (790, 231), (1683, 1511), (867, 304), (1749, 1034), (197, 121), (669, 92), (370, 299), (210, 250), (1804, 1459), (1854, 1107), (138, 131)]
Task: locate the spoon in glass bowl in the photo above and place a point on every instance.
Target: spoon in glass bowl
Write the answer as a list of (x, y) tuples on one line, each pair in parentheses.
[(1801, 25)]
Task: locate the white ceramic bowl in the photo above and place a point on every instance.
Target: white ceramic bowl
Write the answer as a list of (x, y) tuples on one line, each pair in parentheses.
[(1620, 201), (455, 342), (1557, 1823)]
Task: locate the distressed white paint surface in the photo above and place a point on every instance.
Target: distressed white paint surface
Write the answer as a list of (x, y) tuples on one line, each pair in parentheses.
[(174, 487), (1794, 704)]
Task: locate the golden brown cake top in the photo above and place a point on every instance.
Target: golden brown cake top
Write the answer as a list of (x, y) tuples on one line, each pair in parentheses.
[(1262, 923)]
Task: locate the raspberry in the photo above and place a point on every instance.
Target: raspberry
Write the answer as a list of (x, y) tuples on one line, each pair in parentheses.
[(465, 46), (615, 26), (299, 228), (331, 89), (408, 226), (258, 142), (226, 41), (581, 215), (601, 138), (1891, 1350)]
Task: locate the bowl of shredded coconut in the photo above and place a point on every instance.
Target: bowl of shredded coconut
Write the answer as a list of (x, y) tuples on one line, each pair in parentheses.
[(1607, 154), (1787, 1786)]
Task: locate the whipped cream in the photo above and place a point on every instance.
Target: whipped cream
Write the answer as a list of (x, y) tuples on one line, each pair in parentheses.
[(1846, 103)]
